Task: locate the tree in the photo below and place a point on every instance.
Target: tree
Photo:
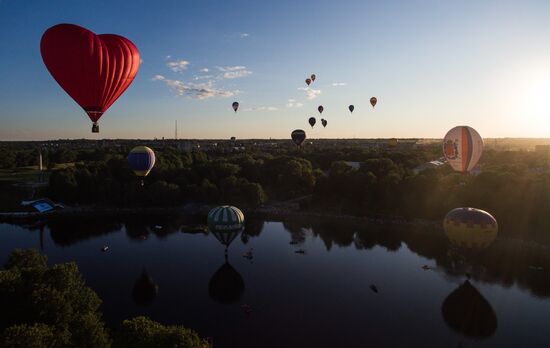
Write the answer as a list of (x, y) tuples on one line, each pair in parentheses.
[(38, 301), (142, 332)]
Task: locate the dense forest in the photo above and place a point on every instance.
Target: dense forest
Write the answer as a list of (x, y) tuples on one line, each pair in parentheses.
[(514, 186)]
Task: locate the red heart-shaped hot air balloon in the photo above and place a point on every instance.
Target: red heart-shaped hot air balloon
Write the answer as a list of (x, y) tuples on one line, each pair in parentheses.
[(93, 69)]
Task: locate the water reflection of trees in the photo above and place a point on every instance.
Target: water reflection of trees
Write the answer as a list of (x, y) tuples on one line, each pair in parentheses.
[(506, 262), (67, 232)]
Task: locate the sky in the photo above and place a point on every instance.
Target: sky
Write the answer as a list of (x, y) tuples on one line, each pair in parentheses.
[(432, 65)]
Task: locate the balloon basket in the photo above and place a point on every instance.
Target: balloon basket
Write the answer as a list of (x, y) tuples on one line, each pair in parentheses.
[(95, 128)]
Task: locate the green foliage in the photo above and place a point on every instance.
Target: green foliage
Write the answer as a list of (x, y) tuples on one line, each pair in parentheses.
[(142, 332), (37, 335), (31, 293)]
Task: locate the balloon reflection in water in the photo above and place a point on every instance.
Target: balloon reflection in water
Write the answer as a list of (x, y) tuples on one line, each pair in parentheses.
[(226, 285), (145, 290), (467, 312)]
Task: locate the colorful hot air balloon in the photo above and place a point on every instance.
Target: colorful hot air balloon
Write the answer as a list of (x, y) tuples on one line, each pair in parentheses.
[(298, 136), (235, 106), (470, 228), (308, 82), (373, 101), (93, 69), (351, 108), (141, 160), (324, 122), (462, 147), (312, 121), (320, 109), (313, 77), (467, 312)]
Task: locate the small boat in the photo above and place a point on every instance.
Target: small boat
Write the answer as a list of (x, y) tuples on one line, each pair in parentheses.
[(104, 248), (249, 255), (158, 227), (300, 251)]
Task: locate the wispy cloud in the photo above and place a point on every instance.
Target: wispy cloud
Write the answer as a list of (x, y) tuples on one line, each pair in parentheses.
[(194, 90), (177, 65), (233, 72), (262, 108), (338, 84), (244, 35), (310, 92), (292, 103), (204, 70)]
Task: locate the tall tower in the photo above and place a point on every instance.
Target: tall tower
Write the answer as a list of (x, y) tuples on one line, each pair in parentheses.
[(40, 168)]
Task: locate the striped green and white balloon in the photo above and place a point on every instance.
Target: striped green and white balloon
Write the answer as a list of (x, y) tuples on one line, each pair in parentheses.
[(225, 223)]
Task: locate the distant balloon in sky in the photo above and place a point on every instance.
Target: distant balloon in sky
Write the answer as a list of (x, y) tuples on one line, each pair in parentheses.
[(470, 228), (313, 77), (312, 121), (298, 136), (320, 109), (351, 108), (462, 147), (308, 82), (373, 101), (93, 69), (324, 122), (235, 106), (141, 160)]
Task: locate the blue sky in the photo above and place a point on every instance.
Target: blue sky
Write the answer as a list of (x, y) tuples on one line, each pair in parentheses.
[(432, 64)]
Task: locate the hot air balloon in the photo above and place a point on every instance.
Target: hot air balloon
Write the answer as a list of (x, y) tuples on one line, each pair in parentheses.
[(141, 160), (462, 147), (308, 82), (93, 69), (145, 290), (324, 122), (225, 222), (298, 136), (320, 109), (235, 106), (351, 108), (470, 228), (313, 77), (467, 312), (312, 121), (373, 101)]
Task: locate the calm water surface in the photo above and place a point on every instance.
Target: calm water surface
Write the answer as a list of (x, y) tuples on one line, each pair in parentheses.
[(351, 286)]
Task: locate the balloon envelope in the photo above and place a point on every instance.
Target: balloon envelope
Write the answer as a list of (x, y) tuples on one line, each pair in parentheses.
[(308, 82), (225, 218), (313, 77), (141, 160), (462, 147), (312, 121), (324, 122), (470, 228), (351, 108), (298, 136), (145, 290), (93, 69), (235, 106), (320, 109), (373, 101)]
